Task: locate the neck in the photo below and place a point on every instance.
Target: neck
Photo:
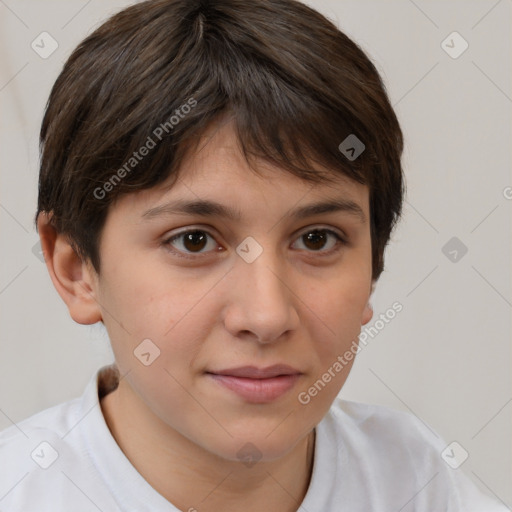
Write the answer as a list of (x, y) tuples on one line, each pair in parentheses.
[(192, 478)]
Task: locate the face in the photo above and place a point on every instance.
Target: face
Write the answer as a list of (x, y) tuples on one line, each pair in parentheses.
[(226, 298)]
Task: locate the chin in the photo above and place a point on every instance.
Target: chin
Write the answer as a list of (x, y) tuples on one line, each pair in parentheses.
[(258, 446)]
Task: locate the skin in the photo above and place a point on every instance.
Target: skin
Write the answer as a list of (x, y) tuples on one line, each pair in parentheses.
[(295, 304)]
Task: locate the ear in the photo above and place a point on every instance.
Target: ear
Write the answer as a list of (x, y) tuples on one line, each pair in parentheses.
[(367, 314), (75, 280), (368, 309)]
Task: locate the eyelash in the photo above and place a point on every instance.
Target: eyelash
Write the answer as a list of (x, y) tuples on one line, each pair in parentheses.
[(340, 243)]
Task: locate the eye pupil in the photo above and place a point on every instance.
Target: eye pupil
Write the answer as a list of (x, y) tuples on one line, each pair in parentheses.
[(315, 239), (195, 240)]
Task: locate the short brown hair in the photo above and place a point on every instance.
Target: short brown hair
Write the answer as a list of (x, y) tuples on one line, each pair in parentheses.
[(295, 85)]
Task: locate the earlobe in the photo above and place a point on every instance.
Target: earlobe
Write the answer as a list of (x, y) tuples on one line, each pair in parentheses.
[(367, 314), (73, 279), (368, 309)]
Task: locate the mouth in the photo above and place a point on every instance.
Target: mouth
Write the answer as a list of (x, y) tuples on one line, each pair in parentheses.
[(257, 385)]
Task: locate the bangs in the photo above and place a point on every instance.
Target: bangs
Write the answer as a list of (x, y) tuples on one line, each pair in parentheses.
[(290, 117)]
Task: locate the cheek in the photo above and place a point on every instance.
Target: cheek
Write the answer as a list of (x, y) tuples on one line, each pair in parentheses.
[(339, 304), (176, 319), (150, 298), (335, 312)]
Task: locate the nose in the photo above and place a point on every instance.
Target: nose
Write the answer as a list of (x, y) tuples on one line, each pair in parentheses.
[(261, 302)]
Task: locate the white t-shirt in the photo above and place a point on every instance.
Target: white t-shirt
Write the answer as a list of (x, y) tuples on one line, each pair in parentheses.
[(367, 458)]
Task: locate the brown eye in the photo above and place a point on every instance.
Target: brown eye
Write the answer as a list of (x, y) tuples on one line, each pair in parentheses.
[(194, 241), (315, 240), (320, 240), (191, 242)]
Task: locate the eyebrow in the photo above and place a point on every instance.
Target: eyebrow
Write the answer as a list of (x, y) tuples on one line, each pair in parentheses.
[(207, 208)]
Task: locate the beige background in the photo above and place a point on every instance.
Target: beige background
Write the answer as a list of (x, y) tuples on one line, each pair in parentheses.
[(446, 357)]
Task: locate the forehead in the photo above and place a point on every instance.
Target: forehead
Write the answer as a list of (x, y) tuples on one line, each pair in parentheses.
[(217, 162), (216, 180)]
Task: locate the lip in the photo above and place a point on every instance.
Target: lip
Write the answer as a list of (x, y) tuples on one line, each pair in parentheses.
[(258, 385)]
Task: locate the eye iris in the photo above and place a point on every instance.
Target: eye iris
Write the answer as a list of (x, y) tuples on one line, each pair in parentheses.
[(194, 241), (315, 239)]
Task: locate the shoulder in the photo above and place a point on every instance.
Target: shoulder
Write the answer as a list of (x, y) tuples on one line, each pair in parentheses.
[(367, 414), (385, 436), (20, 443), (51, 424), (381, 424), (30, 449), (56, 424), (399, 453), (45, 458)]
